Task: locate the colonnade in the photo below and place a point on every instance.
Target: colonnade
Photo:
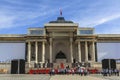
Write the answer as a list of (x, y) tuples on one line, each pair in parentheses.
[(36, 52), (86, 51)]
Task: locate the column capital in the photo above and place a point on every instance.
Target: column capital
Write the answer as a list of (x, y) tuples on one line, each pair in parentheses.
[(36, 42), (50, 38), (28, 41), (71, 39)]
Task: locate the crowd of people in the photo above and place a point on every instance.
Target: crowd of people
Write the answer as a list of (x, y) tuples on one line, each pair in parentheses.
[(110, 72), (83, 71), (80, 71)]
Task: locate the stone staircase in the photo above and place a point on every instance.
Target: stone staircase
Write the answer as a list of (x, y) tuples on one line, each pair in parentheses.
[(58, 65)]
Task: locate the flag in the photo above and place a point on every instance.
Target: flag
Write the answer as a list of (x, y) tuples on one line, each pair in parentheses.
[(61, 12)]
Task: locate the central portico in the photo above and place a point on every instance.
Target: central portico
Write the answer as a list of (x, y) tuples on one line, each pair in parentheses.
[(61, 41), (61, 35)]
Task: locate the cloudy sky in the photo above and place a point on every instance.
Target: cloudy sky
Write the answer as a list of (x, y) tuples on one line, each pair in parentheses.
[(16, 16)]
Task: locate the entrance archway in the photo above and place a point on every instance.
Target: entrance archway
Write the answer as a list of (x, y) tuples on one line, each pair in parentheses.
[(60, 57)]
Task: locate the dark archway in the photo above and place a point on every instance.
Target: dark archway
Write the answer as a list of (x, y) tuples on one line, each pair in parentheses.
[(89, 56), (60, 55)]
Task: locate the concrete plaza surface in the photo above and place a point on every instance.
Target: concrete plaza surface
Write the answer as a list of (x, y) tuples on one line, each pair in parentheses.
[(55, 77), (78, 77)]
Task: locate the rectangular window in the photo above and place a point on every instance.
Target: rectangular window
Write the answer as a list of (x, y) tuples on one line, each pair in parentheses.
[(37, 32), (86, 31)]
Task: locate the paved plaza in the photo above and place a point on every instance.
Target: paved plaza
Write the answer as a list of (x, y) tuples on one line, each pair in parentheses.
[(24, 77), (90, 77), (106, 77), (55, 77)]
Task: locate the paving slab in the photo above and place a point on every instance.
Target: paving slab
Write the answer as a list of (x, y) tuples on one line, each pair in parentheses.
[(113, 77), (24, 77), (55, 77), (74, 77)]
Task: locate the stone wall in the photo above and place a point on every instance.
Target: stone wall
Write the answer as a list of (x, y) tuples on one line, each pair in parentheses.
[(5, 68)]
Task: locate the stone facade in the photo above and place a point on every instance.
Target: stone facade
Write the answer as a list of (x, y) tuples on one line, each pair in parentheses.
[(60, 41)]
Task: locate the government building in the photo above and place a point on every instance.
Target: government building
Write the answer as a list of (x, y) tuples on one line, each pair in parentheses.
[(60, 42)]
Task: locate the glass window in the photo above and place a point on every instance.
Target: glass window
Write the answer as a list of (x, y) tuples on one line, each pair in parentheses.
[(36, 32), (85, 31)]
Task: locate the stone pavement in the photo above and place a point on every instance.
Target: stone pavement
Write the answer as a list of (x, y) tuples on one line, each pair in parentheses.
[(106, 77), (74, 77), (55, 77), (24, 77)]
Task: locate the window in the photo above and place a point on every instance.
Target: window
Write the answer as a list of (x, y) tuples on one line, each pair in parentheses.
[(85, 32), (37, 32)]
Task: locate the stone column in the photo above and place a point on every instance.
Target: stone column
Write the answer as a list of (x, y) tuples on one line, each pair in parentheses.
[(43, 52), (29, 53), (36, 52), (50, 50), (93, 51), (79, 52), (71, 50), (86, 51)]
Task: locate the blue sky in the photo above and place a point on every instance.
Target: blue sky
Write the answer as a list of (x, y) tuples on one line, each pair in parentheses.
[(18, 15)]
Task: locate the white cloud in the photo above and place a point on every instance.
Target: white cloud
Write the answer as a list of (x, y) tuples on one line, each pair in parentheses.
[(88, 14), (15, 18), (96, 13), (6, 21), (96, 20), (106, 19)]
